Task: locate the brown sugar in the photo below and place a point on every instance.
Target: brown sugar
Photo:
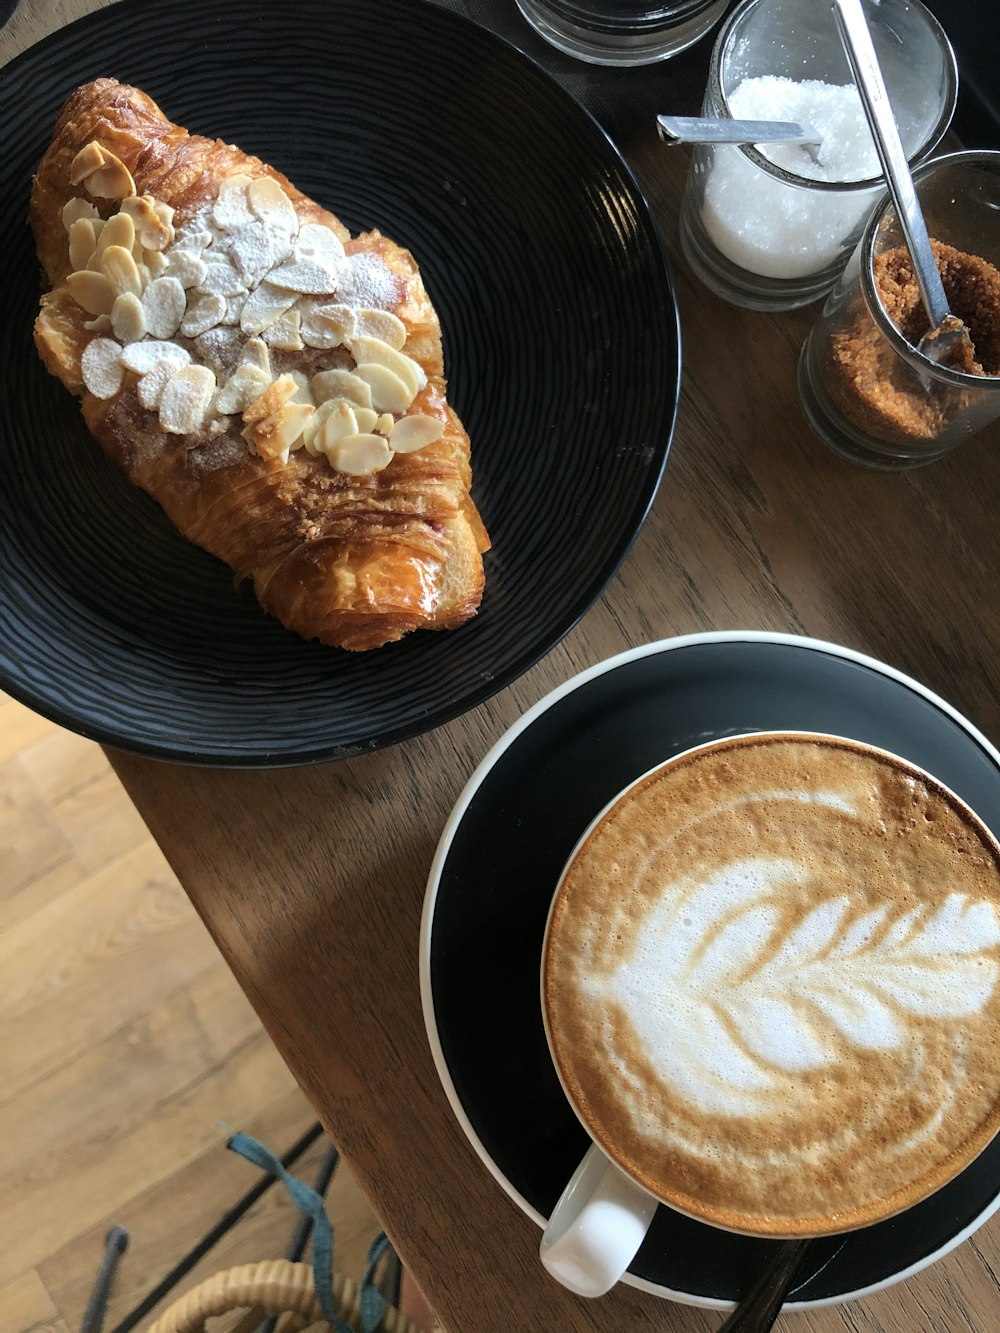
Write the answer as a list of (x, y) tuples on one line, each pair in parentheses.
[(972, 287), (874, 387)]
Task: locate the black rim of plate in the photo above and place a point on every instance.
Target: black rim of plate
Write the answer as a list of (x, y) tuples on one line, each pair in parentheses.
[(561, 344), (497, 865)]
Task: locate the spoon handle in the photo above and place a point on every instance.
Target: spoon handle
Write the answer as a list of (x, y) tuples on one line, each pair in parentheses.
[(722, 129), (759, 1308), (860, 50)]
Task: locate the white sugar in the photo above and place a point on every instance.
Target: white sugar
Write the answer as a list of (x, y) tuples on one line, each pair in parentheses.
[(847, 152), (788, 231)]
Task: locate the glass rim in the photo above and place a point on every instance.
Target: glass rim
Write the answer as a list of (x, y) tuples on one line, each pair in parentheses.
[(866, 249), (646, 20), (726, 35)]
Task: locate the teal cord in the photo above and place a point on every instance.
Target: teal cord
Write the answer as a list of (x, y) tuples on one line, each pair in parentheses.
[(309, 1202), (371, 1302)]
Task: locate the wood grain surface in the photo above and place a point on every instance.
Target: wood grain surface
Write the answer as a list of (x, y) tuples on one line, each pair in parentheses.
[(129, 1054), (312, 880)]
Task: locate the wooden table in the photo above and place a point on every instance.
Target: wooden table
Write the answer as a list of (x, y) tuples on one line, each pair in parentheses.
[(312, 880)]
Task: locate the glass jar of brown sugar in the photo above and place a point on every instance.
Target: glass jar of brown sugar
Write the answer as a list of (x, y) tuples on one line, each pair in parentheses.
[(865, 388)]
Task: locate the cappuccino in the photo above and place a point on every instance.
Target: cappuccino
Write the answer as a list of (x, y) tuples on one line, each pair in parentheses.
[(770, 984)]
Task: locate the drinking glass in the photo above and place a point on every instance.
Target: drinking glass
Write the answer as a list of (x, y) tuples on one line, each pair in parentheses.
[(763, 236), (621, 32), (867, 391)]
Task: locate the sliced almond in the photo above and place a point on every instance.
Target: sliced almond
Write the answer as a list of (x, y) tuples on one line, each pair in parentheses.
[(186, 266), (301, 394), (203, 313), (256, 249), (165, 213), (360, 455), (373, 351), (329, 325), (233, 182), (234, 309), (264, 305), (368, 420), (99, 324), (274, 423), (315, 241), (111, 180), (146, 356), (222, 280), (255, 353), (150, 388), (389, 392), (413, 433), (101, 367), (243, 387), (76, 209), (284, 332), (270, 401), (294, 420), (128, 319), (120, 269), (92, 290), (269, 202), (380, 324), (338, 424), (118, 230), (90, 158), (94, 262), (340, 384), (195, 235), (330, 422), (382, 425), (155, 263), (186, 398), (307, 276), (153, 231), (231, 209), (82, 242), (164, 302)]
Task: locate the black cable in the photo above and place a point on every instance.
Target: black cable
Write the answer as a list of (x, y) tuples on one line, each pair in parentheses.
[(115, 1245)]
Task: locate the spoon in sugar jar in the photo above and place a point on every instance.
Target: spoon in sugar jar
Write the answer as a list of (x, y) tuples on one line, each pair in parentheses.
[(723, 129), (948, 338)]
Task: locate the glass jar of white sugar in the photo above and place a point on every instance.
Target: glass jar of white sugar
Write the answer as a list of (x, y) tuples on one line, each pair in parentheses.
[(772, 227)]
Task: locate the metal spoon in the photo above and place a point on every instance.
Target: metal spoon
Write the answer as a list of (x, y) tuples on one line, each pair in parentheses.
[(947, 332), (759, 1308), (721, 129)]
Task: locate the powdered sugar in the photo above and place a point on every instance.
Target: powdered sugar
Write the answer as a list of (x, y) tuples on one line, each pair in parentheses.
[(367, 280)]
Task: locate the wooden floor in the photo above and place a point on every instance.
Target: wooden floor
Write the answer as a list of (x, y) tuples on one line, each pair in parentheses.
[(128, 1053)]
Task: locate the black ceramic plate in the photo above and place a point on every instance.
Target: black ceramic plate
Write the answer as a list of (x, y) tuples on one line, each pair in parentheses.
[(561, 348), (497, 867)]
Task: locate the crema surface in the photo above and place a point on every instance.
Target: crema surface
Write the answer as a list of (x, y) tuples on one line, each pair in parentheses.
[(771, 985)]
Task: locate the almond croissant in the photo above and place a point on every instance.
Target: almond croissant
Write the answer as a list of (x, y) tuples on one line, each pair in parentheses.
[(274, 384)]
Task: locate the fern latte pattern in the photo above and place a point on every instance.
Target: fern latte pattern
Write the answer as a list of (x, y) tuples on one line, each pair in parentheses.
[(771, 980)]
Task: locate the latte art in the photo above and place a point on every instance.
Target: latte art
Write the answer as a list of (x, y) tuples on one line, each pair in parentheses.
[(752, 1000), (777, 1003)]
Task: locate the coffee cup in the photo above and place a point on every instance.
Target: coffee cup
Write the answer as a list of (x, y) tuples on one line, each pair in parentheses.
[(770, 987)]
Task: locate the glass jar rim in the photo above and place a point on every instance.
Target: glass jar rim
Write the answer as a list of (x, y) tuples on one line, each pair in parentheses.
[(866, 246), (726, 36)]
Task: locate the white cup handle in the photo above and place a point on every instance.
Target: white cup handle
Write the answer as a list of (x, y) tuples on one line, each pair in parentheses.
[(596, 1227)]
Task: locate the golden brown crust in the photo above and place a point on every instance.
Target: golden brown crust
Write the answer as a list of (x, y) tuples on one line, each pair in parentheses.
[(356, 561)]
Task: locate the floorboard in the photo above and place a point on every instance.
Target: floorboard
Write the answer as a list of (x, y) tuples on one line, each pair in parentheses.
[(129, 1053)]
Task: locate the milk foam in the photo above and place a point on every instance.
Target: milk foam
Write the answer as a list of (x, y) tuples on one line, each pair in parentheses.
[(724, 1003), (772, 985)]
